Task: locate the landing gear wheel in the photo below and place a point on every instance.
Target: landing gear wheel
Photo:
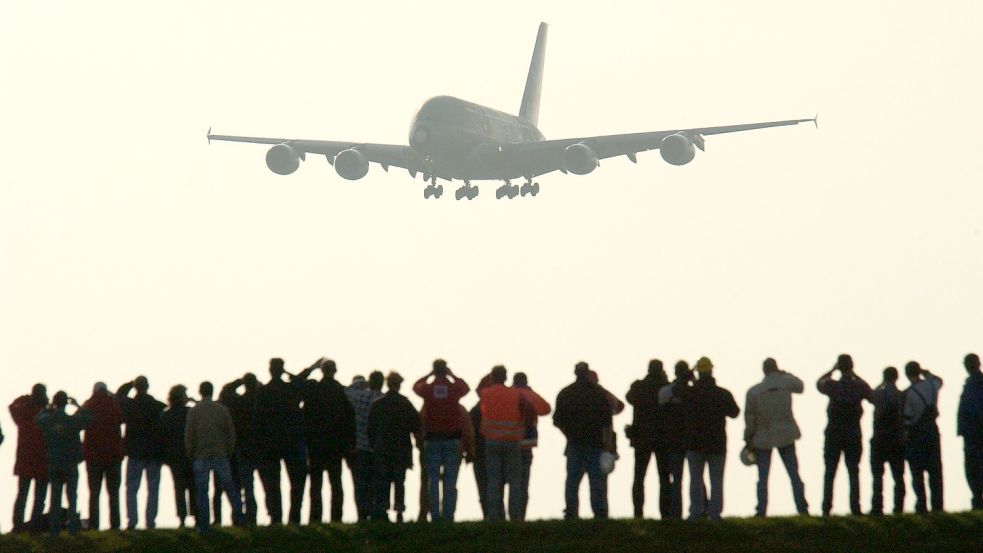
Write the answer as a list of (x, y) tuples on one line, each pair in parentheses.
[(428, 191), (438, 191), (473, 193), (534, 189), (502, 191), (513, 191)]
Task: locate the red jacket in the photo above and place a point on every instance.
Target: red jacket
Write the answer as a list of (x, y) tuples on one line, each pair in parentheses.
[(30, 461), (505, 413), (103, 440), (440, 399)]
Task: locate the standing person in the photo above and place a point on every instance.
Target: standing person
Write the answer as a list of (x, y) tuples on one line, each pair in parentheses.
[(63, 451), (888, 442), (467, 450), (770, 424), (480, 471), (707, 407), (174, 421), (584, 416), (673, 417), (923, 450), (970, 427), (102, 450), (280, 437), (647, 436), (362, 395), (442, 443), (530, 439), (329, 422), (504, 412), (843, 436), (143, 445), (30, 465), (210, 441), (392, 421), (242, 407)]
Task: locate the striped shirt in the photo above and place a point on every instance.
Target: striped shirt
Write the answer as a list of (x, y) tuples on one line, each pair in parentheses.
[(362, 400)]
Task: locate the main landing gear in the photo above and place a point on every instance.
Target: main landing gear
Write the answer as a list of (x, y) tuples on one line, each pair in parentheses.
[(468, 191), (509, 190), (433, 189)]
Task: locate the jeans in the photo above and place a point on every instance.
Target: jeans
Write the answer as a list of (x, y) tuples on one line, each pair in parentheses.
[(523, 489), (444, 454), (185, 494), (973, 464), (67, 480), (583, 459), (791, 462), (481, 480), (699, 505), (388, 476), (503, 462), (111, 473), (670, 475), (924, 455), (20, 503), (364, 475), (134, 474), (331, 464), (851, 450), (246, 484), (893, 455), (223, 477)]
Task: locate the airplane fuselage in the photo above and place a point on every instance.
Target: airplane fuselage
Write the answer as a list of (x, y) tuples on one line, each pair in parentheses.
[(459, 139)]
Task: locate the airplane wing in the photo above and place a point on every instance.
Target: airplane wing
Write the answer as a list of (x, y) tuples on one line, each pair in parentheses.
[(385, 155), (546, 156)]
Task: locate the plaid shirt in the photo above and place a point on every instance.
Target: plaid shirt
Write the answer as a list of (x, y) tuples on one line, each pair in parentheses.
[(362, 400)]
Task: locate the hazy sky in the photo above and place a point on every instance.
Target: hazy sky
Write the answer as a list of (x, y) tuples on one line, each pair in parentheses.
[(130, 246)]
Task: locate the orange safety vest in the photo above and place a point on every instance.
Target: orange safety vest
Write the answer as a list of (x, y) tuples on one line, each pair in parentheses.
[(501, 418)]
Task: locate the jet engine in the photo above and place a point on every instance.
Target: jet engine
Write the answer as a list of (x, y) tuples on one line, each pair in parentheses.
[(579, 159), (351, 164), (282, 159), (677, 149)]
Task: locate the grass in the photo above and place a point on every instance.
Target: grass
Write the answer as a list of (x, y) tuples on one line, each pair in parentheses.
[(895, 534)]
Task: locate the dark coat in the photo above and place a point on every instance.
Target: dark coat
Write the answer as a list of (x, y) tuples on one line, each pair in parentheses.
[(278, 420), (846, 397), (706, 408), (103, 442), (30, 461), (144, 431), (242, 407), (970, 414), (62, 445), (583, 414), (329, 419), (648, 424), (174, 421), (392, 420)]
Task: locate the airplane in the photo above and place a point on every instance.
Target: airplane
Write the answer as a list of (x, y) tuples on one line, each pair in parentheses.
[(453, 139)]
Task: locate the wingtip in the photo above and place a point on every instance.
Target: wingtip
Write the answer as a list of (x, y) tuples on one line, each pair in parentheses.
[(815, 120), (208, 135)]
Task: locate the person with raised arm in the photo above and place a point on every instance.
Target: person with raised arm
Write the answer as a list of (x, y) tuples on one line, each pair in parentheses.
[(843, 437)]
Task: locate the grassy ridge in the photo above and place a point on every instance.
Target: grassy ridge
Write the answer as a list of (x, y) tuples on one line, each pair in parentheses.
[(936, 533)]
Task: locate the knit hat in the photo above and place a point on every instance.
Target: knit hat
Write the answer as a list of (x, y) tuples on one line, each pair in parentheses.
[(703, 365)]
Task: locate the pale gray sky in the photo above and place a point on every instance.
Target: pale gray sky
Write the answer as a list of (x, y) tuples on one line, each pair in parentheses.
[(130, 246)]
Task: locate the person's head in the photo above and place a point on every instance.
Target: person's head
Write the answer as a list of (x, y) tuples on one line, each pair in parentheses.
[(913, 370), (177, 396), (329, 368), (141, 384), (206, 390), (844, 363), (520, 380), (358, 382), (769, 366), (681, 370), (498, 374), (704, 367), (439, 367), (972, 362), (394, 380), (39, 394), (100, 389), (890, 375), (250, 381), (376, 379), (276, 368), (581, 370), (60, 400), (656, 368)]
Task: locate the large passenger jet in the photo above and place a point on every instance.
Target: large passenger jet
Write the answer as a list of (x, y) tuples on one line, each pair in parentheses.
[(455, 139)]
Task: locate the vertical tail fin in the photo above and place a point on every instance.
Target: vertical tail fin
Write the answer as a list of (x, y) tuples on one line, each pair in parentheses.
[(529, 110)]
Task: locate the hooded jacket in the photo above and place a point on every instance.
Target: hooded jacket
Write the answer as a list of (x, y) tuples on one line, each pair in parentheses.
[(30, 461), (768, 411), (103, 442)]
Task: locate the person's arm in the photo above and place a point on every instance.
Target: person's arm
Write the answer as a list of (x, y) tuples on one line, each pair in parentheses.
[(632, 397), (230, 392), (731, 410), (421, 388), (541, 406), (750, 418), (190, 432), (793, 383), (825, 382), (932, 376), (459, 388), (230, 430), (122, 393), (20, 411)]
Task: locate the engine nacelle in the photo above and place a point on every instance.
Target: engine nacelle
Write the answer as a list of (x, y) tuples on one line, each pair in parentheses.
[(579, 159), (351, 164), (677, 149), (282, 159)]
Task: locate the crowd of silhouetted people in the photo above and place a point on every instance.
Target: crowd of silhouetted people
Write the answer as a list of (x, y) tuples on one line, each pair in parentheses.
[(310, 427)]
